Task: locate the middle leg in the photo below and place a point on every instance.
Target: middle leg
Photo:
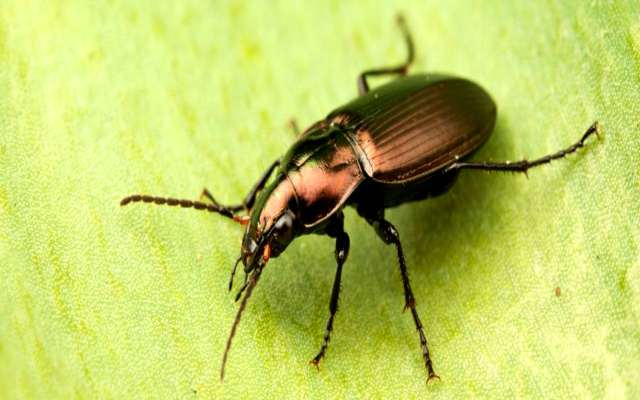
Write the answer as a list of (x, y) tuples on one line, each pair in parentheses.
[(389, 234), (214, 207), (250, 198)]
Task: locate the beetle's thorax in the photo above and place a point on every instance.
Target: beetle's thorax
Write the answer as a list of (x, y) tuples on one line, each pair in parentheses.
[(323, 172), (316, 177)]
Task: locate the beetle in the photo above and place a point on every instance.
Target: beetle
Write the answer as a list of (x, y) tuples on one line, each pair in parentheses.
[(404, 141)]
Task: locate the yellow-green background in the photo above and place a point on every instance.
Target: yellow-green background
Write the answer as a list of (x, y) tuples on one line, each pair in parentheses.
[(102, 99)]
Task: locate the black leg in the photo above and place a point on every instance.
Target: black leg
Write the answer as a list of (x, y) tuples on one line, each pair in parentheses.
[(248, 201), (524, 165), (227, 211), (363, 85), (231, 209), (388, 233), (342, 251)]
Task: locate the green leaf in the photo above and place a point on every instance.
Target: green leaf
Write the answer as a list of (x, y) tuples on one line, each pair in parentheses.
[(526, 287)]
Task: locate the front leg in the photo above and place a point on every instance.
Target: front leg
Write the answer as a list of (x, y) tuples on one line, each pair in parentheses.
[(341, 253), (214, 207), (248, 201), (389, 234)]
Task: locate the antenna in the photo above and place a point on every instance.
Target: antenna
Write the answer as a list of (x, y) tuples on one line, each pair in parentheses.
[(169, 201)]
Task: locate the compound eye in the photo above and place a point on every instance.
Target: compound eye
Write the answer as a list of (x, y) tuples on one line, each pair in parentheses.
[(283, 229)]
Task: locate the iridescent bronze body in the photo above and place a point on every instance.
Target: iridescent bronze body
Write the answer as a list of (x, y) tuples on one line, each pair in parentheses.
[(404, 141)]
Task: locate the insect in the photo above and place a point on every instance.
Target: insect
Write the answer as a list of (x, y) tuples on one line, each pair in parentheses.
[(403, 141)]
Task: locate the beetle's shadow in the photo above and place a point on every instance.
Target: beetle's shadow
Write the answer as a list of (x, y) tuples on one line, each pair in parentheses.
[(432, 233)]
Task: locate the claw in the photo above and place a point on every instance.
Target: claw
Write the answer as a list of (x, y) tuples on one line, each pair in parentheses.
[(432, 377), (316, 363)]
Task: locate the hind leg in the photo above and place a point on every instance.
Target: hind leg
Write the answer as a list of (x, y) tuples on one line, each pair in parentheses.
[(363, 85)]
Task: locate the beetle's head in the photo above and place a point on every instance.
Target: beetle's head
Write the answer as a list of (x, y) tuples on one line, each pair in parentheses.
[(272, 226)]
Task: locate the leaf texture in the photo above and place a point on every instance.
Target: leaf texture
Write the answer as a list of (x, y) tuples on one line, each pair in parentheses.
[(527, 287)]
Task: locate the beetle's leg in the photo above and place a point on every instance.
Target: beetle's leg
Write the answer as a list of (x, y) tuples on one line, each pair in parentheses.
[(342, 251), (227, 211), (389, 234), (524, 165), (248, 201), (230, 210), (363, 85)]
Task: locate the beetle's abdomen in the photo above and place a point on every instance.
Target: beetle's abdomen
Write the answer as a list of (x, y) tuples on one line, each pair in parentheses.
[(416, 125)]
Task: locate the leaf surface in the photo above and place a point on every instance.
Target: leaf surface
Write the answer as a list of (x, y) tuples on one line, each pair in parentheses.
[(526, 287)]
